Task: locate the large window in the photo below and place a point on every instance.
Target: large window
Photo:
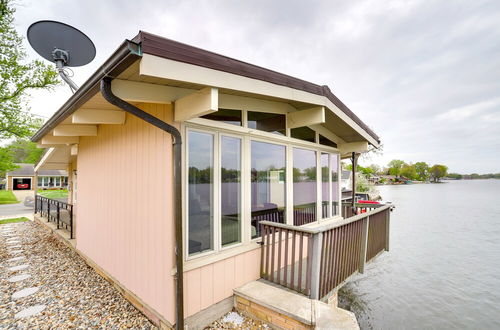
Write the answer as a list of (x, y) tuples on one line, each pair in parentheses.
[(268, 189), (200, 191), (230, 190), (239, 177), (304, 186)]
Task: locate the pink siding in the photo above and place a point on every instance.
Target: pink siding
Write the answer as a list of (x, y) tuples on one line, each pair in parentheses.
[(212, 283), (125, 216)]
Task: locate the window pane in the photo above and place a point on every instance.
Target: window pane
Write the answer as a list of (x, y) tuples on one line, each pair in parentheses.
[(303, 133), (325, 184), (230, 190), (200, 191), (304, 186), (268, 184), (334, 165), (326, 142), (267, 122), (227, 116)]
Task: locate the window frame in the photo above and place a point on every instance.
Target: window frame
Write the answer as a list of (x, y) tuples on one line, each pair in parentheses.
[(246, 136)]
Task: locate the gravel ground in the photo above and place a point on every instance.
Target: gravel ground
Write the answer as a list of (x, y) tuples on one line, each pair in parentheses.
[(234, 320), (73, 294)]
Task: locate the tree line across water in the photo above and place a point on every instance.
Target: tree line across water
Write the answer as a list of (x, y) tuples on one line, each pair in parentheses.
[(420, 171)]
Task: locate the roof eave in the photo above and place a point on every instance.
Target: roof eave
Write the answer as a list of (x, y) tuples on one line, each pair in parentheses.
[(127, 53)]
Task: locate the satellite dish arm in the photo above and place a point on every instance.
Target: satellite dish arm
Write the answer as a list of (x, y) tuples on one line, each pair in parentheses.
[(64, 76)]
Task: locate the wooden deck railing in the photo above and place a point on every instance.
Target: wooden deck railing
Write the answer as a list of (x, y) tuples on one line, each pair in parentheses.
[(55, 211), (316, 261)]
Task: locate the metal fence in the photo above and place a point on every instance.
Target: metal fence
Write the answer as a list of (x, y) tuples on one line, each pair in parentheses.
[(55, 211)]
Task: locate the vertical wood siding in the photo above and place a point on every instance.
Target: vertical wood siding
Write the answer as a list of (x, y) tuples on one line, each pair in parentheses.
[(125, 215), (212, 283)]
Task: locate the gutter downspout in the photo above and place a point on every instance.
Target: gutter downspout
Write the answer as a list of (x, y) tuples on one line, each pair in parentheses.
[(177, 144)]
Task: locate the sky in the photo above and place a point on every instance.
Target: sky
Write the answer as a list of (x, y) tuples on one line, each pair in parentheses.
[(424, 75)]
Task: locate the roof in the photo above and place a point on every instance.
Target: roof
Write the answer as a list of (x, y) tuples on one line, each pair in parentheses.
[(174, 50), (147, 43), (29, 170)]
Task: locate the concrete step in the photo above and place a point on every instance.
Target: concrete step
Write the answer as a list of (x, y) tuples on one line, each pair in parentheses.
[(284, 309)]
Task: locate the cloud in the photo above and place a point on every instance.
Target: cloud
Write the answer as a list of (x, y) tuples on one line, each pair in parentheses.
[(424, 75)]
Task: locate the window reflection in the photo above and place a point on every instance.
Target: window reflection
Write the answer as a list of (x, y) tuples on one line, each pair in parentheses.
[(227, 116), (334, 165), (325, 184), (268, 184), (200, 191), (230, 190), (267, 122), (304, 186)]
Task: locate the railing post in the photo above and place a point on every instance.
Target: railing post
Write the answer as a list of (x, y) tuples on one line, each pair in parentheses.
[(36, 209), (364, 244), (315, 259), (58, 214), (48, 210), (71, 221), (387, 227)]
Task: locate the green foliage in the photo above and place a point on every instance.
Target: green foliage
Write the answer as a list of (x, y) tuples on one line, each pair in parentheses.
[(438, 171), (17, 77), (422, 170), (7, 197), (60, 193), (19, 151), (362, 184), (25, 151), (13, 220), (455, 176), (395, 167), (408, 171), (6, 161)]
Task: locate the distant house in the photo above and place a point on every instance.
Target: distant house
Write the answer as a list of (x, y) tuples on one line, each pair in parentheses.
[(23, 178)]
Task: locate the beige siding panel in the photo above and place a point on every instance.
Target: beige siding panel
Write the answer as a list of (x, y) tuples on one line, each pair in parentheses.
[(125, 215), (212, 283), (207, 286)]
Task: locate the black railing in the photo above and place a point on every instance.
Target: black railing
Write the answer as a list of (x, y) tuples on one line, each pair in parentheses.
[(55, 211)]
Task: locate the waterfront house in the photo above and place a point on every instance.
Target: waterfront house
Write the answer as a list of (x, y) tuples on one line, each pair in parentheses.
[(193, 174), (25, 178)]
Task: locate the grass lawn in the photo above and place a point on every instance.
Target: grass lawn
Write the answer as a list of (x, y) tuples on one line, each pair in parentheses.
[(4, 221), (7, 197), (62, 193)]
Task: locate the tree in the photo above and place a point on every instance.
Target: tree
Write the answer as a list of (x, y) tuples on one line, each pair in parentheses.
[(25, 151), (6, 163), (422, 170), (408, 171), (395, 167), (17, 77), (438, 171), (375, 169)]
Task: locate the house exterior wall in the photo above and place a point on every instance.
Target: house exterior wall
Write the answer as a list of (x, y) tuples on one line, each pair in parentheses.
[(210, 284), (125, 214)]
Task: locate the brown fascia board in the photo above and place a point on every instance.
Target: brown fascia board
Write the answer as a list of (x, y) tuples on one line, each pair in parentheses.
[(176, 51)]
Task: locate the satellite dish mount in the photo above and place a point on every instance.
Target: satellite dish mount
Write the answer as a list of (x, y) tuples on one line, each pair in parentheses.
[(61, 58), (55, 41)]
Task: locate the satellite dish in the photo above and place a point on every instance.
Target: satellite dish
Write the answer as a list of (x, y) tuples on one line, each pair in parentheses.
[(62, 44)]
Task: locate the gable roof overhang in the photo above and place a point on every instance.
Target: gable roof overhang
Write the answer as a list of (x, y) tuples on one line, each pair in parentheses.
[(157, 60)]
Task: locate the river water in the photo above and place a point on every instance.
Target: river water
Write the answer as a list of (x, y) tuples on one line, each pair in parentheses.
[(443, 267)]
